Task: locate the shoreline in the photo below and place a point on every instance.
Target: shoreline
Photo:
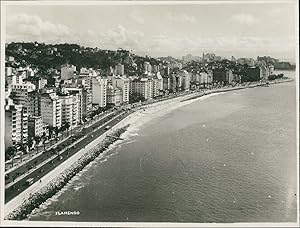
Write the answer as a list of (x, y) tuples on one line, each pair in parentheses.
[(60, 180), (22, 205)]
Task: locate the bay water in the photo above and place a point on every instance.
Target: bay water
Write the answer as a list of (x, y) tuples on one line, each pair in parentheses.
[(228, 158)]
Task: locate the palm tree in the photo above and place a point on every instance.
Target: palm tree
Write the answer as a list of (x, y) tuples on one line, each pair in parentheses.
[(37, 140), (56, 131), (62, 129), (51, 131), (23, 148), (44, 138), (29, 143), (67, 127), (10, 153)]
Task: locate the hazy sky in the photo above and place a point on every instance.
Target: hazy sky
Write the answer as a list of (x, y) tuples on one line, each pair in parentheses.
[(160, 30)]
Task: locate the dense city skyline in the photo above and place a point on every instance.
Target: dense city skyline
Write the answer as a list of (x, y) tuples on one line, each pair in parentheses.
[(248, 30)]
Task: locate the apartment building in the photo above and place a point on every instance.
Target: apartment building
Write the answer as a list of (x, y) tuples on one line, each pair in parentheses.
[(123, 84), (99, 91), (114, 95), (51, 108), (16, 124)]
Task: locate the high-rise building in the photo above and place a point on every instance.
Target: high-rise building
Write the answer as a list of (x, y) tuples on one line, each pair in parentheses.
[(123, 84), (20, 93), (51, 108), (114, 95), (34, 101), (70, 109), (142, 86), (79, 91), (85, 82), (166, 83), (35, 126), (175, 82), (99, 91), (186, 80), (16, 124), (157, 85)]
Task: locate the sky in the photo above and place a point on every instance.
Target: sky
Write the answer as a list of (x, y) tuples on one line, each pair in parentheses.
[(231, 29)]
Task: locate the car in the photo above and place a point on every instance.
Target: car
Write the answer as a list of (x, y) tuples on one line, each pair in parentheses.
[(107, 127), (29, 181)]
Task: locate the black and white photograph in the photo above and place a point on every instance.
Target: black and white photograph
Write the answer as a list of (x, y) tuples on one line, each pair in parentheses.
[(150, 113)]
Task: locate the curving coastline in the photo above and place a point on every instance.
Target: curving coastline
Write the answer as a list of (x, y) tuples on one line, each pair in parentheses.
[(134, 120)]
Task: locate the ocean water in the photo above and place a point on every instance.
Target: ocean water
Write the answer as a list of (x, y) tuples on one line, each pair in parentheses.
[(228, 158)]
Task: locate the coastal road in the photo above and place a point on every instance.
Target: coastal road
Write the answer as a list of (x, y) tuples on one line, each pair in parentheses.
[(39, 172), (44, 156)]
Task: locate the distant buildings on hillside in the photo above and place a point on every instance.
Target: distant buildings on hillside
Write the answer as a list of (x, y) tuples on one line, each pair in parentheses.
[(36, 104)]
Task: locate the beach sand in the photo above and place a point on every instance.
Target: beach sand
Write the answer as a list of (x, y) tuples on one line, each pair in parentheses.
[(135, 120)]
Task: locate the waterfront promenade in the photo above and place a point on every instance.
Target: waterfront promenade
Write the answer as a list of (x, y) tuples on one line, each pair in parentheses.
[(89, 137)]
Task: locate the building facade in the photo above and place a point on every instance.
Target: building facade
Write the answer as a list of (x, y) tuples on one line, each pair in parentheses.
[(70, 109), (16, 125), (35, 126), (114, 96), (99, 91), (123, 84), (142, 86), (51, 108)]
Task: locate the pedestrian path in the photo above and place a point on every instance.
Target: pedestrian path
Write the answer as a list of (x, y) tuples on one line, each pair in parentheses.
[(33, 156), (62, 151)]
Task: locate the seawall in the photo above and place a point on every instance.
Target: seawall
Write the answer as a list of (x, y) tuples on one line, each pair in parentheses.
[(55, 185)]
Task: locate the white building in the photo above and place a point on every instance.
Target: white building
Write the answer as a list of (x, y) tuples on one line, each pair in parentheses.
[(70, 109), (123, 84), (99, 91), (16, 124), (51, 108), (186, 80), (142, 86), (35, 126), (157, 85), (114, 95)]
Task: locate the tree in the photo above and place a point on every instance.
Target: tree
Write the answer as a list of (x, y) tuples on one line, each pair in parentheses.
[(50, 131), (23, 148), (10, 152), (44, 139), (67, 127), (56, 131), (136, 97), (29, 143), (37, 140)]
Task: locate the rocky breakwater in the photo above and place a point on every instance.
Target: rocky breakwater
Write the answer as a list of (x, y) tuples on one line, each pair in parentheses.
[(39, 197)]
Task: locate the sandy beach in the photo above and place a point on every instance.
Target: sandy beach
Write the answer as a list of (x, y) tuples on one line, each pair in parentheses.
[(135, 120)]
